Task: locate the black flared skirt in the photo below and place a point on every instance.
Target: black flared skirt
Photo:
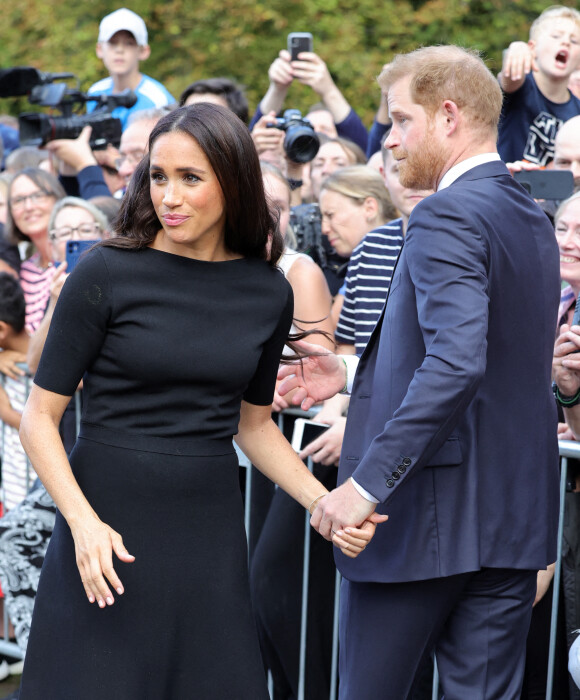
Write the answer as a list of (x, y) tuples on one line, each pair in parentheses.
[(183, 629)]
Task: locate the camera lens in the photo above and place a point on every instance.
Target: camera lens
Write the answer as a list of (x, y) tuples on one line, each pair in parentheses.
[(301, 143)]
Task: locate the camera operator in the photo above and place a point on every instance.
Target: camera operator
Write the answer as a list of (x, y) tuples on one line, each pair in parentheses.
[(103, 172), (276, 141), (83, 172), (312, 71)]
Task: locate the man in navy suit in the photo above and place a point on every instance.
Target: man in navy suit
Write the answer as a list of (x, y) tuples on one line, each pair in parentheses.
[(451, 428)]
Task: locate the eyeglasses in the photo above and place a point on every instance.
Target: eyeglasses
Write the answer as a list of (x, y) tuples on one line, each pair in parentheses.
[(133, 158), (37, 197), (66, 232)]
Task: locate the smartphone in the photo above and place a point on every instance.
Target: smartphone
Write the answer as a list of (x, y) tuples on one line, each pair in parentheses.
[(299, 42), (74, 250), (547, 184), (305, 431)]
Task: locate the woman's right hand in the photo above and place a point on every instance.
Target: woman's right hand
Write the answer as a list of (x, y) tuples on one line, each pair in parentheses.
[(95, 543)]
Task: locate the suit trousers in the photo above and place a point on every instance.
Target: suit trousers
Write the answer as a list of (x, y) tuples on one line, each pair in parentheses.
[(476, 622)]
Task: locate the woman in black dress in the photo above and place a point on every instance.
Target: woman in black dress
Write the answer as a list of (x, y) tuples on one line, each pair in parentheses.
[(176, 327)]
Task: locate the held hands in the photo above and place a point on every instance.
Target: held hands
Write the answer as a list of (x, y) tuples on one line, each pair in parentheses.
[(566, 360), (95, 543), (342, 506), (317, 378)]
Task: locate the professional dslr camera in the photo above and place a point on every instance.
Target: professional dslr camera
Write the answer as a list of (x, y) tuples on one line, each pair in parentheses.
[(37, 129), (301, 142)]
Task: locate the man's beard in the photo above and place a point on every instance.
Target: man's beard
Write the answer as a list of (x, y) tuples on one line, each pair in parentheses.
[(421, 169)]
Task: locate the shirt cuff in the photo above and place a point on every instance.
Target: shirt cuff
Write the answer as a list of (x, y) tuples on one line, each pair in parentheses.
[(351, 363), (363, 492)]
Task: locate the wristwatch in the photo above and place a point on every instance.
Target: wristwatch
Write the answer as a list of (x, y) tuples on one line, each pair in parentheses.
[(563, 400)]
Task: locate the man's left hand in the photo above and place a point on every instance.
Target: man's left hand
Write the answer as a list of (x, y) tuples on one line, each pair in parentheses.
[(343, 507)]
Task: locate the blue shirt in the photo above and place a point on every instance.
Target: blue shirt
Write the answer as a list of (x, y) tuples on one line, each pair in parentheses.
[(529, 122), (150, 93)]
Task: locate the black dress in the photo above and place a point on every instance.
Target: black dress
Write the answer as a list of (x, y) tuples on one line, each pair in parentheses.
[(170, 347)]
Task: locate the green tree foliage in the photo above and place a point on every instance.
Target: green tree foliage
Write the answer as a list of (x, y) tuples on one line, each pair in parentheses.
[(240, 38)]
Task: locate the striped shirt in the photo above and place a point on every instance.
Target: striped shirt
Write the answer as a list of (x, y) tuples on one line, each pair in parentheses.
[(15, 485), (35, 282), (367, 283)]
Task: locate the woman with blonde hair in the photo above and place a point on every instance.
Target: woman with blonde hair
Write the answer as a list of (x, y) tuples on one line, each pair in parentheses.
[(353, 201)]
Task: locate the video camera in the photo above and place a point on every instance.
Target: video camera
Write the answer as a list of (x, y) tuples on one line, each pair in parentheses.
[(301, 142), (37, 129)]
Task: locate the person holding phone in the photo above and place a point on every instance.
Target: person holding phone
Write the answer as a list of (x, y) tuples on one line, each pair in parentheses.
[(148, 563), (72, 219), (310, 70)]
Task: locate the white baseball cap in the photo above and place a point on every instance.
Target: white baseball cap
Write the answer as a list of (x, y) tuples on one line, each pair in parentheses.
[(123, 20)]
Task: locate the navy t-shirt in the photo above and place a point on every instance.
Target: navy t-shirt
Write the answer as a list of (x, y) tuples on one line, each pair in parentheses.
[(529, 122)]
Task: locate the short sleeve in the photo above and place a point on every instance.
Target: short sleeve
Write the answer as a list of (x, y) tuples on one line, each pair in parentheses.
[(78, 327), (260, 390)]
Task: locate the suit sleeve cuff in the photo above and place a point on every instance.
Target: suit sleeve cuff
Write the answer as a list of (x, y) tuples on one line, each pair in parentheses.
[(363, 492), (351, 363)]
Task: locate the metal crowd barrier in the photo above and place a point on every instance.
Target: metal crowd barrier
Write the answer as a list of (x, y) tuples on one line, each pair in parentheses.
[(567, 450)]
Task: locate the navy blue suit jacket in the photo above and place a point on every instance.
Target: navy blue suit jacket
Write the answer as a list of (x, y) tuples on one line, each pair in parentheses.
[(452, 423)]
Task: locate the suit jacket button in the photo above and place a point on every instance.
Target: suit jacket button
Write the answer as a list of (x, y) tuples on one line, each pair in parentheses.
[(407, 462), (396, 476), (402, 469), (390, 483)]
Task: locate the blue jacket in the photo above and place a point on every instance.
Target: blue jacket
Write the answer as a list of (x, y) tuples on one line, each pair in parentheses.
[(452, 423)]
